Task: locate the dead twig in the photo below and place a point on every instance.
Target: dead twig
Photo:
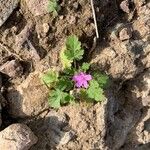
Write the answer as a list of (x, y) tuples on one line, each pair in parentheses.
[(94, 17)]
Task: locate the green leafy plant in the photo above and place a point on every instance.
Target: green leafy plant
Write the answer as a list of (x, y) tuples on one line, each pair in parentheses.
[(75, 80), (53, 7)]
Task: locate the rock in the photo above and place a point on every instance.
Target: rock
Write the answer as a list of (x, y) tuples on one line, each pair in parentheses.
[(51, 131), (125, 6), (38, 7), (33, 52), (6, 8), (29, 98), (45, 28), (12, 68), (22, 37), (125, 34), (140, 2), (141, 24), (71, 19), (121, 119), (76, 5), (71, 126), (17, 137), (140, 89)]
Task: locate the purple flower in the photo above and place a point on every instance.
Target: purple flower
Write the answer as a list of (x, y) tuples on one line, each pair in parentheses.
[(81, 80)]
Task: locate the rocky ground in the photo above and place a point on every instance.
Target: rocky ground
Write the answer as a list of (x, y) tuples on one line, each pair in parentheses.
[(30, 42)]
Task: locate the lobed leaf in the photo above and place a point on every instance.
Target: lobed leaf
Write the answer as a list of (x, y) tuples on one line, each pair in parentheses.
[(95, 92), (85, 67), (64, 84), (66, 63), (73, 48), (102, 79), (50, 77), (58, 97)]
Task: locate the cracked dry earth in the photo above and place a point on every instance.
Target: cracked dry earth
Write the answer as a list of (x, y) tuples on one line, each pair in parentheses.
[(30, 42)]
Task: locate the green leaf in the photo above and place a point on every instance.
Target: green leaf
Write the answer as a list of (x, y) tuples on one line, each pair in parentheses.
[(58, 97), (73, 48), (55, 98), (85, 67), (95, 92), (50, 77), (102, 79), (66, 63), (64, 84), (53, 7), (67, 98)]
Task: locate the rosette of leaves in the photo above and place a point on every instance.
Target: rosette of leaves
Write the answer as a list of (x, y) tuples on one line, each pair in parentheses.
[(61, 85)]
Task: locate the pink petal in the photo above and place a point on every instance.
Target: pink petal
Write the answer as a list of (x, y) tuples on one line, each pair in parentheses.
[(82, 74), (88, 77), (75, 78), (78, 84), (85, 84)]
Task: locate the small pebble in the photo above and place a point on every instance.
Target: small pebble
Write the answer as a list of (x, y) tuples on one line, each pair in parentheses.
[(125, 6), (45, 27), (125, 34)]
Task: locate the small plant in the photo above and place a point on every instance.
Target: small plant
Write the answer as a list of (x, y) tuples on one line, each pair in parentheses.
[(53, 7), (74, 81)]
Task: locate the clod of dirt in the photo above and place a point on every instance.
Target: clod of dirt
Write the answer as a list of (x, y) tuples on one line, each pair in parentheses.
[(46, 28), (142, 23), (121, 117), (12, 68), (89, 123), (17, 137), (117, 61), (23, 36), (79, 127), (125, 34), (52, 130), (137, 95), (125, 6), (29, 98), (139, 3), (38, 7), (6, 8), (140, 89)]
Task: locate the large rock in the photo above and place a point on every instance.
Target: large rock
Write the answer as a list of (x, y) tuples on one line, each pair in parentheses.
[(50, 130), (29, 98), (17, 137), (6, 8), (71, 126)]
